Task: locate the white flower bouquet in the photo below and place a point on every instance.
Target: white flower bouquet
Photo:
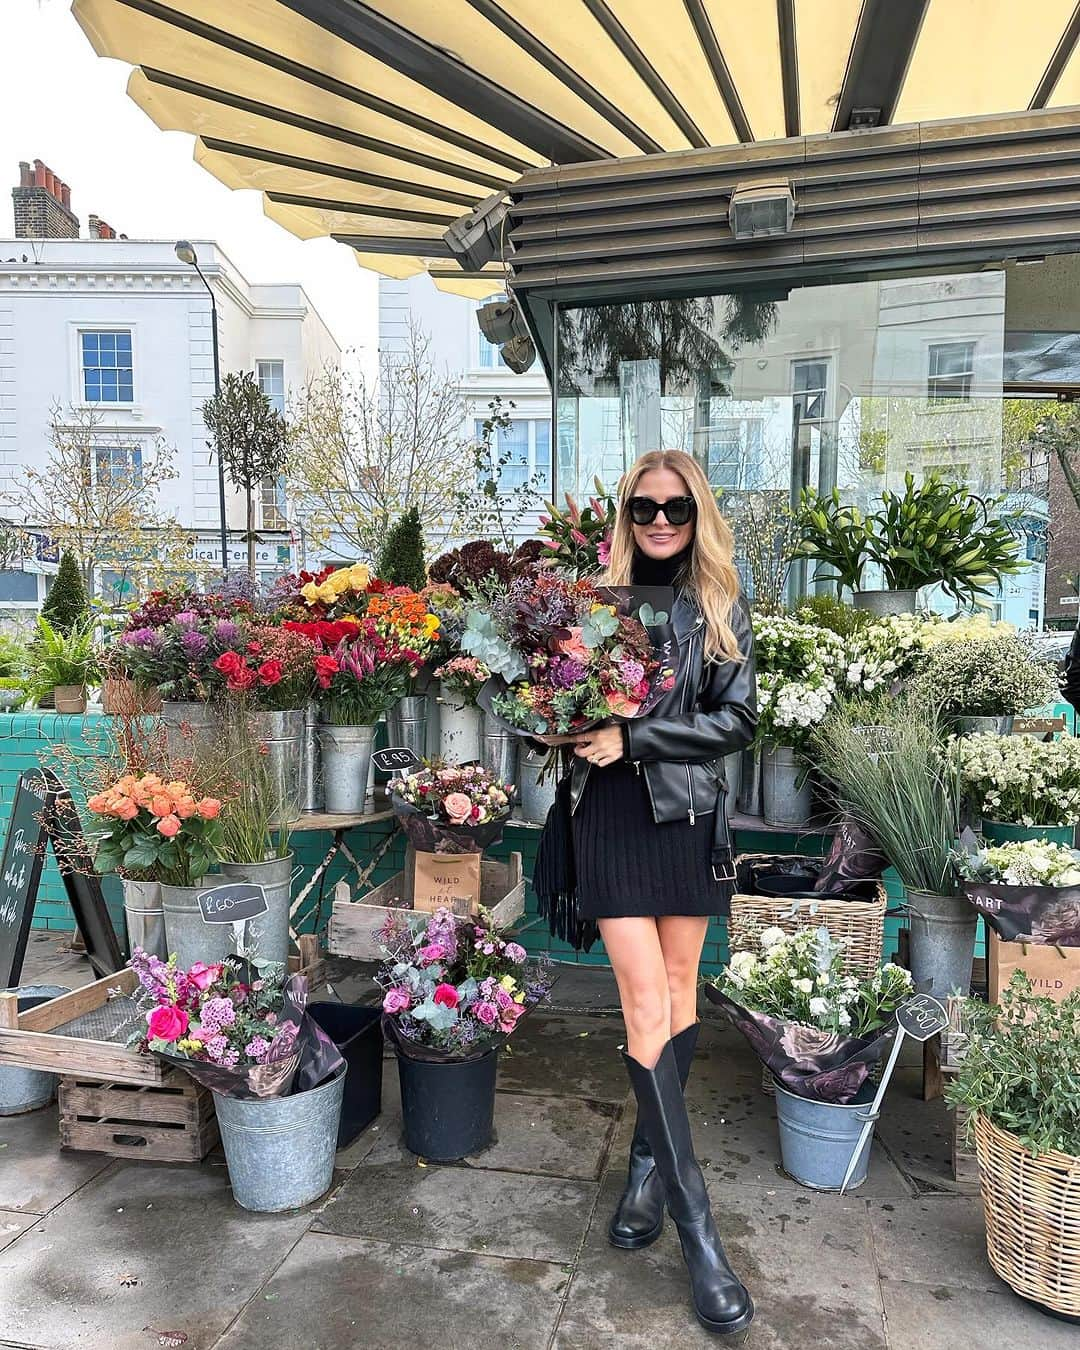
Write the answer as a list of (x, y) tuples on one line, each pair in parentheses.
[(1027, 862), (816, 1029), (1021, 780), (1027, 891)]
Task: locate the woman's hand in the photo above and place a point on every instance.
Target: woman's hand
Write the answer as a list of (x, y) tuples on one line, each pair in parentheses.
[(600, 747)]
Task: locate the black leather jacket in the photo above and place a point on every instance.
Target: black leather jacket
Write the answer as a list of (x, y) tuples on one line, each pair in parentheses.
[(710, 712)]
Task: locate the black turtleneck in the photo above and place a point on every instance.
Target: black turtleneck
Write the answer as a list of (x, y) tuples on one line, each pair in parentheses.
[(648, 571)]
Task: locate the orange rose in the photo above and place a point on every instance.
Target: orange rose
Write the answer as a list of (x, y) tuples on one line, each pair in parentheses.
[(96, 803), (209, 808), (169, 826), (161, 805), (185, 807), (620, 705), (126, 809)]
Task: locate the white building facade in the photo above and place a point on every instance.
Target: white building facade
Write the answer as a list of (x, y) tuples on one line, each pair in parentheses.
[(121, 328)]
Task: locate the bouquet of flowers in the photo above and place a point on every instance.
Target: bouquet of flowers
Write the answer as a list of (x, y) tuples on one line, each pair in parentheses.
[(234, 1027), (563, 659), (401, 617), (998, 677), (275, 669), (798, 665), (815, 1028), (884, 653), (1027, 891), (454, 988), (451, 808), (464, 676), (1021, 780), (363, 676), (156, 830)]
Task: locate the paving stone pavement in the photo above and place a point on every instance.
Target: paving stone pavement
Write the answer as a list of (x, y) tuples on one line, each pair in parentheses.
[(506, 1250)]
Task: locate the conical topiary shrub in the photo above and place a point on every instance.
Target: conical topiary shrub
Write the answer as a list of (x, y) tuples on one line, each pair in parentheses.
[(402, 558), (67, 602)]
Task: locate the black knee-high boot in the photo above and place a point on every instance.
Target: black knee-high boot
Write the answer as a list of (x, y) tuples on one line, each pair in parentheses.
[(721, 1300), (639, 1215)]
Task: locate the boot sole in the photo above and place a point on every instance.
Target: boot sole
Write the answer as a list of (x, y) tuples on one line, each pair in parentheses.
[(634, 1244), (739, 1327)]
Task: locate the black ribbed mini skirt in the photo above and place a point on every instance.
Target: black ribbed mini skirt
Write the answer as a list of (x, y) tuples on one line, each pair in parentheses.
[(629, 866)]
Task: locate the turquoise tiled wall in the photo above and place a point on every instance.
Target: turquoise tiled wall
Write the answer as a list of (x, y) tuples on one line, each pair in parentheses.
[(28, 739)]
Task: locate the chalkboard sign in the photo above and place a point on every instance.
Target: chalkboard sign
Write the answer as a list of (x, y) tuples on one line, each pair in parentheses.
[(233, 902), (397, 759), (20, 870), (922, 1017)]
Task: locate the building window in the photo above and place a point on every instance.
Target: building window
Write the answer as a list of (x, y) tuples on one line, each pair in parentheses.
[(107, 370), (526, 447), (809, 385), (734, 449), (119, 464), (271, 378), (951, 372)]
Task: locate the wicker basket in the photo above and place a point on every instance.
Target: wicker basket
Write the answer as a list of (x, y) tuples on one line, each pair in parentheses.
[(1032, 1210), (859, 924)]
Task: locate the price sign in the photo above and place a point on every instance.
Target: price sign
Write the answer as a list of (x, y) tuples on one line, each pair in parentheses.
[(396, 759), (233, 903), (922, 1017)]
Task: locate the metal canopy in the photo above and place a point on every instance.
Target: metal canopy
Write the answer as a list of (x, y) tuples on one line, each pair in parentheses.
[(380, 123)]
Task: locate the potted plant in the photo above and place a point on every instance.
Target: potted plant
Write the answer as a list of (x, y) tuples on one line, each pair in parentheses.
[(819, 1031), (401, 618), (835, 534), (278, 1081), (121, 694), (159, 831), (460, 680), (14, 672), (63, 664), (798, 665), (908, 799), (454, 990), (1017, 1080), (980, 685), (1021, 787)]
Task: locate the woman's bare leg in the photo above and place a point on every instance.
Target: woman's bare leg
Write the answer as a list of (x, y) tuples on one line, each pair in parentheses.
[(633, 947), (681, 940)]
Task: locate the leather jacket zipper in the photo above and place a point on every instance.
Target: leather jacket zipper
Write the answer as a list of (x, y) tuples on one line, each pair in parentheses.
[(689, 775)]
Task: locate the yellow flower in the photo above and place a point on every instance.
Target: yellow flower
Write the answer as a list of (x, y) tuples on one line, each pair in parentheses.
[(338, 581), (310, 592), (508, 983), (359, 577), (431, 624), (189, 1046), (519, 998), (326, 593)]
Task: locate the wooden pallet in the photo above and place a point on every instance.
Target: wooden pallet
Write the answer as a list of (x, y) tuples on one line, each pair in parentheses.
[(170, 1122)]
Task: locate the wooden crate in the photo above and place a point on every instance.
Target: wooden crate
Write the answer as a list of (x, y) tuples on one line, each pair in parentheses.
[(173, 1121), (965, 1166), (31, 1040), (355, 924)]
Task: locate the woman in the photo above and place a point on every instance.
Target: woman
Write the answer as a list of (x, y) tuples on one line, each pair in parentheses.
[(651, 850)]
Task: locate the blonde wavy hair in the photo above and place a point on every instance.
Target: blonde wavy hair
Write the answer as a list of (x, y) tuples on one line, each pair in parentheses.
[(712, 576)]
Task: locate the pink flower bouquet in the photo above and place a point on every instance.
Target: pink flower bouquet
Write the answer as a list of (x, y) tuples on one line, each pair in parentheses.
[(452, 808)]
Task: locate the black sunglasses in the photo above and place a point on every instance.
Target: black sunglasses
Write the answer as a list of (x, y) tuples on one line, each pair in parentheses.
[(677, 510)]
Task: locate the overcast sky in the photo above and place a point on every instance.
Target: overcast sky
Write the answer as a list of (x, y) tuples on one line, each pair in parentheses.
[(63, 104)]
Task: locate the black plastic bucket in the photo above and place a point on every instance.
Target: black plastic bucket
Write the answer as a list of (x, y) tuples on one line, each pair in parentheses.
[(448, 1105), (357, 1033)]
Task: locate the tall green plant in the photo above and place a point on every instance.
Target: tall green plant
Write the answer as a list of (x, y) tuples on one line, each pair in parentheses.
[(60, 658), (907, 796), (67, 603), (836, 535), (402, 558)]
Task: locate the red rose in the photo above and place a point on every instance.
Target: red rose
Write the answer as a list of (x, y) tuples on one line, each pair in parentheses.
[(241, 679), (167, 1023), (254, 648), (228, 663), (270, 673), (447, 995), (325, 670)]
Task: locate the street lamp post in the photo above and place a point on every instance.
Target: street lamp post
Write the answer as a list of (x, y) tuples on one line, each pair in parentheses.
[(185, 251)]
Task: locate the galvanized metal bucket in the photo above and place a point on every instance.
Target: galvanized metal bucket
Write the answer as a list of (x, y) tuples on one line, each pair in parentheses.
[(943, 930), (283, 735), (186, 935), (885, 603), (817, 1139), (459, 728), (787, 793), (406, 724), (144, 918), (346, 766), (27, 1089), (984, 726), (189, 727), (280, 1150), (749, 795), (535, 797), (311, 788), (267, 937), (500, 749)]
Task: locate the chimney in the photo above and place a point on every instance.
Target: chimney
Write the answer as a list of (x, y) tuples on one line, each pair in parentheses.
[(43, 205), (99, 229)]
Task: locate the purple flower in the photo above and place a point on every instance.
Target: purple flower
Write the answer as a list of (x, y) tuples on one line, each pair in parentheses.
[(486, 1013), (187, 618), (144, 637), (216, 1046), (226, 631), (217, 1013), (633, 672), (566, 673), (257, 1048), (515, 953), (194, 644)]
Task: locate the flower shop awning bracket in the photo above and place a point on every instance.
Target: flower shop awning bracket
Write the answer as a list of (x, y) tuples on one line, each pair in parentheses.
[(380, 123)]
